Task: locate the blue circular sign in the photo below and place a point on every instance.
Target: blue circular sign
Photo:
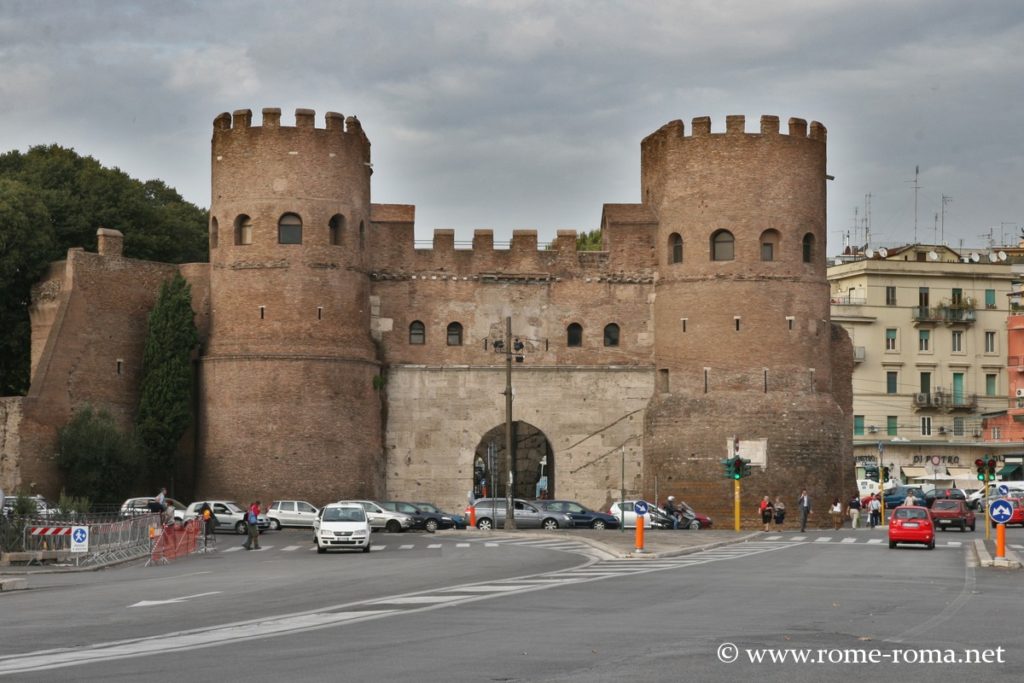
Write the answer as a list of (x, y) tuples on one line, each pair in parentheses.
[(1003, 489), (79, 535), (640, 507), (1000, 511)]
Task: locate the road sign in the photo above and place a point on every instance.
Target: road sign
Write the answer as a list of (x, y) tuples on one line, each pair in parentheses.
[(1000, 511), (80, 539), (1003, 489), (640, 507)]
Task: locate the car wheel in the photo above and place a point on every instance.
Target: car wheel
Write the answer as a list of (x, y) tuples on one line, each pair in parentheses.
[(694, 525), (550, 524), (393, 526), (484, 524), (366, 548), (892, 544), (430, 525), (320, 549), (240, 528), (275, 525), (972, 527), (963, 527), (931, 546), (598, 524)]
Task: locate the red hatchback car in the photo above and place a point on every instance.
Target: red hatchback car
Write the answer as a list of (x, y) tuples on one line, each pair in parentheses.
[(911, 524)]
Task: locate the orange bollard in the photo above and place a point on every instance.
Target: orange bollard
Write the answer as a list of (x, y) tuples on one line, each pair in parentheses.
[(471, 513), (1000, 541), (639, 533)]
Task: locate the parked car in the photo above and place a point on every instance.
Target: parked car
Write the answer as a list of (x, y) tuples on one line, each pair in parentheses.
[(381, 518), (656, 518), (977, 499), (581, 516), (490, 514), (422, 518), (1017, 505), (911, 524), (230, 515), (44, 508), (291, 513), (458, 520), (932, 495), (949, 512), (342, 525), (141, 506), (897, 495)]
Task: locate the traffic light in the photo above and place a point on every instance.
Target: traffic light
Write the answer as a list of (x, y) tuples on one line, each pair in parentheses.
[(727, 468), (982, 469), (991, 469), (885, 474), (737, 468), (746, 468)]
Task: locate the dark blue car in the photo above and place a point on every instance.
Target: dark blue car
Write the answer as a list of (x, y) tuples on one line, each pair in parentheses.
[(583, 517), (894, 497)]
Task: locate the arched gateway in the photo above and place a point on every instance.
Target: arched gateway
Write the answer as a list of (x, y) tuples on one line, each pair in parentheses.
[(534, 463)]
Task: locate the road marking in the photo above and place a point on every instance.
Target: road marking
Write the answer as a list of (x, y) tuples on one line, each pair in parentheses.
[(485, 588), (417, 600), (1017, 546), (462, 545), (289, 548), (150, 603), (823, 539), (953, 544), (848, 540), (772, 538), (875, 541), (406, 547), (491, 544), (233, 549), (433, 546)]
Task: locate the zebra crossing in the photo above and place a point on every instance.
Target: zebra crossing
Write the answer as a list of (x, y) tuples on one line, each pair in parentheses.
[(848, 540), (548, 544)]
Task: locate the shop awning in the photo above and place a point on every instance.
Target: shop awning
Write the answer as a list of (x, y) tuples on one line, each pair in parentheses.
[(1008, 469), (915, 473), (962, 473)]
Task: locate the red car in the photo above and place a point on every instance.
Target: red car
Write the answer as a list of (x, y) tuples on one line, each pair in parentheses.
[(950, 512), (911, 524)]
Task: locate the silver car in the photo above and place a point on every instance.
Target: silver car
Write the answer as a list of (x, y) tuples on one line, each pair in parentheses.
[(384, 519), (291, 513), (490, 514)]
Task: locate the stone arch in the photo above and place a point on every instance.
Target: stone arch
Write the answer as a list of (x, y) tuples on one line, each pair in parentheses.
[(530, 446)]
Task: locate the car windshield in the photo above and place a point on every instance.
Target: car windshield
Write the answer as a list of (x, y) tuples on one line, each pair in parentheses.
[(946, 505), (911, 513), (233, 507), (352, 514), (428, 507)]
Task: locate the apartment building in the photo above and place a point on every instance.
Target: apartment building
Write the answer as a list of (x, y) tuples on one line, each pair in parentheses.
[(929, 333)]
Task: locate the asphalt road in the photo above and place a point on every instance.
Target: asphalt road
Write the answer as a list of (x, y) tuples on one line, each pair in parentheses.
[(478, 610)]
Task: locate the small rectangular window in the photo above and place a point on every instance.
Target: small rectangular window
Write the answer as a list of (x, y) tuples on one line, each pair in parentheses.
[(990, 342), (926, 382), (319, 312), (858, 425), (682, 321), (767, 251), (926, 426), (958, 341), (263, 311), (789, 320), (663, 381), (958, 426), (990, 298), (891, 425), (120, 365), (890, 339), (923, 338), (890, 296), (737, 321), (991, 384), (957, 296), (891, 382)]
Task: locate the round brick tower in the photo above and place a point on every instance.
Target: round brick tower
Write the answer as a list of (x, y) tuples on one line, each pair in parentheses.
[(743, 342), (287, 375)]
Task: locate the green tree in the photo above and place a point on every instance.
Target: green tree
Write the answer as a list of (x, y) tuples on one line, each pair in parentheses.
[(165, 401), (26, 245), (57, 200), (98, 460), (589, 241)]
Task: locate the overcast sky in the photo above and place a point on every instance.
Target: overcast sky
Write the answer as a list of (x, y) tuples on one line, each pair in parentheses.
[(520, 114)]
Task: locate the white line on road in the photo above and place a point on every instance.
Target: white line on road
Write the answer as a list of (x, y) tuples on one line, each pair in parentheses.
[(875, 541), (433, 546), (289, 548), (406, 547), (150, 603), (772, 538), (823, 539), (848, 540)]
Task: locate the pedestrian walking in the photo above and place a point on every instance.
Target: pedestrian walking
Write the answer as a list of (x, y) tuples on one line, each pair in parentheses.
[(876, 510), (854, 507), (780, 513), (837, 514), (252, 517), (767, 512), (209, 522), (804, 503)]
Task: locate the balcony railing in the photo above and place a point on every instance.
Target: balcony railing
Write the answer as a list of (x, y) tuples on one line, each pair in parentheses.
[(848, 300), (942, 314)]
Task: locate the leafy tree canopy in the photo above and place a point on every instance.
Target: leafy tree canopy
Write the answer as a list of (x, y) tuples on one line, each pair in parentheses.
[(589, 241), (98, 460), (52, 199)]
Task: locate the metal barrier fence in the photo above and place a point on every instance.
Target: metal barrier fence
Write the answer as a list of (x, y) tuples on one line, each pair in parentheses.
[(176, 540), (124, 539)]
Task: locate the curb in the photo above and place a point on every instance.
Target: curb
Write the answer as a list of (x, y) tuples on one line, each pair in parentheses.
[(11, 584), (692, 549), (985, 559)]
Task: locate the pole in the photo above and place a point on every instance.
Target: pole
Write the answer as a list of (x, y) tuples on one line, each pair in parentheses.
[(1000, 540), (639, 533), (622, 492), (988, 527), (736, 503), (510, 519)]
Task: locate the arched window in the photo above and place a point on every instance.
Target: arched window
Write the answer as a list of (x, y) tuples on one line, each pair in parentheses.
[(289, 229), (214, 233), (808, 248), (574, 335), (417, 333), (243, 230), (723, 246), (769, 244), (454, 334), (675, 248), (611, 334), (336, 228)]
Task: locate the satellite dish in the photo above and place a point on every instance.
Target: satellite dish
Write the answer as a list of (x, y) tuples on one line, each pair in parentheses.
[(1001, 255), (933, 256), (883, 252), (870, 253), (975, 256), (992, 257)]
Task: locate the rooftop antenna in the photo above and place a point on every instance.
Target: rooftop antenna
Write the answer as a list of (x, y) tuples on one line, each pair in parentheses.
[(990, 236), (916, 186), (867, 217), (935, 228), (946, 199)]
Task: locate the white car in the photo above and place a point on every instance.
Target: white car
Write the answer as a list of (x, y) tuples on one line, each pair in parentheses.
[(656, 517), (977, 499), (383, 519), (291, 513), (342, 525), (230, 515)]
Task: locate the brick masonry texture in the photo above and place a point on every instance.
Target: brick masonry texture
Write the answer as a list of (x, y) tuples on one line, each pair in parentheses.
[(311, 385)]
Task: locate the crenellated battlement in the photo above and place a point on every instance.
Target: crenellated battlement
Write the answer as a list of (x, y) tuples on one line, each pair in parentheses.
[(305, 119), (700, 127)]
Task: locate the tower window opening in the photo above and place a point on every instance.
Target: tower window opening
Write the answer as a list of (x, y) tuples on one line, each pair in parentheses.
[(675, 245), (120, 365), (243, 230), (789, 321), (611, 334), (336, 228), (736, 320), (417, 333), (574, 335), (319, 312), (289, 229), (362, 235), (808, 248), (683, 321), (663, 381), (769, 244), (723, 246), (263, 312), (707, 377), (213, 233), (454, 334)]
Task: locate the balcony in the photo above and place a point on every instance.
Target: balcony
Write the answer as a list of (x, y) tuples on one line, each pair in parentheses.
[(848, 300), (927, 314), (953, 402), (950, 314)]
